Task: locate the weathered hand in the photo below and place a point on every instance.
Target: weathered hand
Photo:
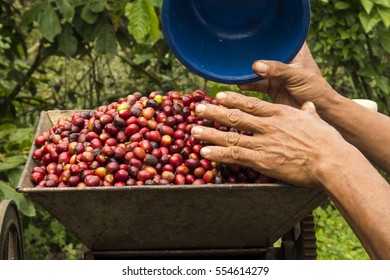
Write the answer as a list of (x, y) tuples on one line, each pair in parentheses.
[(288, 144), (293, 84)]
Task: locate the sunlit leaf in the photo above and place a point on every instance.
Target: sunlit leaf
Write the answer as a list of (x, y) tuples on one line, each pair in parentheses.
[(49, 24), (25, 206)]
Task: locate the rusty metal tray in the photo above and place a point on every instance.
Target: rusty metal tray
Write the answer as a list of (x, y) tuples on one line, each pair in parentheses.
[(172, 217)]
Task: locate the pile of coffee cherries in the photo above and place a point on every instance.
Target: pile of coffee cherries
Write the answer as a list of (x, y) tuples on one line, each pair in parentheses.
[(137, 140)]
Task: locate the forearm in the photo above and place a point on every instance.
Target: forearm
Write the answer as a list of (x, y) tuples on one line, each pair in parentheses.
[(362, 196), (368, 131)]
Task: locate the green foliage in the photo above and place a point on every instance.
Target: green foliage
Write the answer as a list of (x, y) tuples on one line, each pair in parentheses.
[(14, 147), (46, 239), (335, 239), (351, 43), (143, 20), (106, 40), (82, 22)]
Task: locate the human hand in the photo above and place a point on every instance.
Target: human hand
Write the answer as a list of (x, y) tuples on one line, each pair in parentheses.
[(288, 144), (293, 84)]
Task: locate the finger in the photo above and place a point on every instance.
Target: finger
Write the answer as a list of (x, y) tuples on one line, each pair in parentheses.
[(250, 105), (230, 117), (260, 86), (275, 70), (310, 108), (232, 155), (226, 139)]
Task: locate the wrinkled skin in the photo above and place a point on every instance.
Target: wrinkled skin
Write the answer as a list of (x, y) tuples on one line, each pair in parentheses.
[(293, 143), (283, 139)]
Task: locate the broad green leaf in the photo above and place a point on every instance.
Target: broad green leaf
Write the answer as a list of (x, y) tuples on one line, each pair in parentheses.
[(5, 166), (139, 19), (115, 5), (6, 129), (77, 3), (96, 6), (367, 5), (88, 31), (33, 13), (330, 22), (342, 5), (66, 9), (16, 159), (368, 22), (24, 204), (384, 84), (385, 42), (14, 175), (49, 24), (384, 3), (88, 16), (384, 13), (21, 134), (156, 3), (154, 24), (106, 42), (67, 43), (139, 59)]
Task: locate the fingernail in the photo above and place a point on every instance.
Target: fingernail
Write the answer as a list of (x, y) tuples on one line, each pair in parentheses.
[(221, 95), (260, 67), (200, 108), (196, 130), (205, 151)]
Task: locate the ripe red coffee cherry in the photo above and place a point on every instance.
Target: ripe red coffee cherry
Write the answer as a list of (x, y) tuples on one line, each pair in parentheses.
[(208, 177), (96, 143), (139, 153), (40, 141), (111, 129), (37, 177), (166, 130), (190, 179), (131, 129), (64, 158), (106, 119), (38, 154), (121, 175), (112, 167), (154, 136), (180, 179), (148, 113), (92, 181), (146, 146), (144, 175)]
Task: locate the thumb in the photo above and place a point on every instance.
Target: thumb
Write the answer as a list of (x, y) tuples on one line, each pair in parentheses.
[(274, 70), (310, 108)]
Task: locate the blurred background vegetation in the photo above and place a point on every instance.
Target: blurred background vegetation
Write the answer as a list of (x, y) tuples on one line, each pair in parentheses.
[(78, 54)]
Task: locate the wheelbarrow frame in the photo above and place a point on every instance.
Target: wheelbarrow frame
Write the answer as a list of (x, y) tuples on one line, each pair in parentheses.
[(11, 232), (299, 243)]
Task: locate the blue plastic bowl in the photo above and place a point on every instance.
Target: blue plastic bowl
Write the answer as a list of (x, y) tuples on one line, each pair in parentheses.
[(220, 39)]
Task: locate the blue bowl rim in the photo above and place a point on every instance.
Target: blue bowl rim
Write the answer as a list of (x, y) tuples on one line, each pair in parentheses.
[(246, 79)]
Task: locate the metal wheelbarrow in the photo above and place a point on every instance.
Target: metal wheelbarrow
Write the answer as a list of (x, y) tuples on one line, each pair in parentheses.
[(203, 221)]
